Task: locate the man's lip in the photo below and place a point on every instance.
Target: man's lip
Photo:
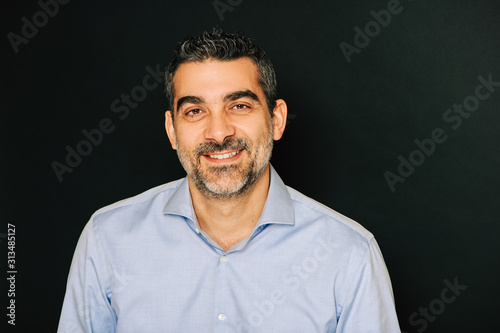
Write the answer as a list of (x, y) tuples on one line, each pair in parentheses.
[(228, 159), (223, 152)]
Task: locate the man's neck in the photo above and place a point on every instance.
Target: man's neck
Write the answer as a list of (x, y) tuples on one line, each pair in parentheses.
[(229, 221)]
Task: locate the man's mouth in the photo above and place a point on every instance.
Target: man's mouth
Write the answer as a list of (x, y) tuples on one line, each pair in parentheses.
[(225, 156)]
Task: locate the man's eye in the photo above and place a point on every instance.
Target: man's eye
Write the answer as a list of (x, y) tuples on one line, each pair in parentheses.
[(240, 107), (193, 112)]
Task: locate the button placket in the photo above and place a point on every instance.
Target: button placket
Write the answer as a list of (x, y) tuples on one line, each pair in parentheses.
[(222, 301)]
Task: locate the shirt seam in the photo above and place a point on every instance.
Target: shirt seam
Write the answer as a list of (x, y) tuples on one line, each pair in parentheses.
[(106, 284), (350, 290), (148, 196), (367, 235)]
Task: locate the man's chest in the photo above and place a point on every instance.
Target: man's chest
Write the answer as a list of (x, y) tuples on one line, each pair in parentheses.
[(197, 289)]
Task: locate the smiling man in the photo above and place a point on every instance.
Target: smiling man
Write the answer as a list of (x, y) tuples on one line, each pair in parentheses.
[(223, 133), (229, 248)]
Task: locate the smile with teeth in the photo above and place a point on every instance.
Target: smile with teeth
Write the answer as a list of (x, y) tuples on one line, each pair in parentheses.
[(224, 156)]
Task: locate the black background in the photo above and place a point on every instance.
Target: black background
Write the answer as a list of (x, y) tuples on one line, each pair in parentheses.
[(348, 124)]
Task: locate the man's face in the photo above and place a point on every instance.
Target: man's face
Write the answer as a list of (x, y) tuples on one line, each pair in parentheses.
[(222, 128)]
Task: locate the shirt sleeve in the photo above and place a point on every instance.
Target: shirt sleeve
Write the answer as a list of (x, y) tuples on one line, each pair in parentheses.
[(369, 306), (86, 306)]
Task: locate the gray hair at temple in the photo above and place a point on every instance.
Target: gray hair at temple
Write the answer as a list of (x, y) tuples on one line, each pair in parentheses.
[(222, 46)]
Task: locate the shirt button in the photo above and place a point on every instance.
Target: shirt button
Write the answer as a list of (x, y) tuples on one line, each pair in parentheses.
[(223, 259), (197, 230), (222, 316)]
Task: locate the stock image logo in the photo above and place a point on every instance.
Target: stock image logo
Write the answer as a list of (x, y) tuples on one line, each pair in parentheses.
[(31, 27), (454, 117), (94, 137), (420, 319), (363, 37)]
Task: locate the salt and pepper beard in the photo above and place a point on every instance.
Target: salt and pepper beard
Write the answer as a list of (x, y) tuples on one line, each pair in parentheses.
[(227, 181)]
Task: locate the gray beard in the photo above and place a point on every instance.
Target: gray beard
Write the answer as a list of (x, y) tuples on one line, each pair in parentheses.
[(250, 176), (246, 177)]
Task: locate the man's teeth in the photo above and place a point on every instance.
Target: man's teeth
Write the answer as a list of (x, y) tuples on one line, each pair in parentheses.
[(223, 156)]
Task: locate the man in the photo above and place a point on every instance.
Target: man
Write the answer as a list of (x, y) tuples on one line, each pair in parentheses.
[(229, 248)]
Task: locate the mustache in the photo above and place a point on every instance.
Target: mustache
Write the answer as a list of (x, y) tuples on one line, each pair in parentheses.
[(207, 148)]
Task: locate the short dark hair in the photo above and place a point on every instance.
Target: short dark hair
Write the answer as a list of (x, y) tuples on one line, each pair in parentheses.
[(222, 46)]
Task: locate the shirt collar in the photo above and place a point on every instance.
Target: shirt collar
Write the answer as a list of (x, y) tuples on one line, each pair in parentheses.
[(278, 208), (180, 202)]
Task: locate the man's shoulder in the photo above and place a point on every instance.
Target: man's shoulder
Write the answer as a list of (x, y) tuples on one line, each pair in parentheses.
[(314, 212), (161, 192)]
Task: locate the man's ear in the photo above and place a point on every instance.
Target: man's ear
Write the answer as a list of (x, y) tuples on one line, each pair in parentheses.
[(280, 112), (169, 127)]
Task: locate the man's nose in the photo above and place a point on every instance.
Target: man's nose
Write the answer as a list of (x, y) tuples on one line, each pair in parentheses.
[(219, 127)]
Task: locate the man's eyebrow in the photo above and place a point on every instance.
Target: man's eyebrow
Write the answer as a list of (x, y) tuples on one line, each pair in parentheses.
[(239, 94), (189, 99), (229, 97)]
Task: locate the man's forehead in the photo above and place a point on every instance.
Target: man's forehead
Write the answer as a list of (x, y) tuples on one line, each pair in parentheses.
[(215, 77)]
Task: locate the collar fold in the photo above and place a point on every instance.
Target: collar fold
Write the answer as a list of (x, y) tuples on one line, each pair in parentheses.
[(278, 208)]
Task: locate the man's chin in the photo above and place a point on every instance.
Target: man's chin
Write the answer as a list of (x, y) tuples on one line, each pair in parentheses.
[(225, 181), (224, 187)]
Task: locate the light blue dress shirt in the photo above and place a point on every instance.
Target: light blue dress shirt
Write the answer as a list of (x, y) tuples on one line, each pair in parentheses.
[(144, 265)]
